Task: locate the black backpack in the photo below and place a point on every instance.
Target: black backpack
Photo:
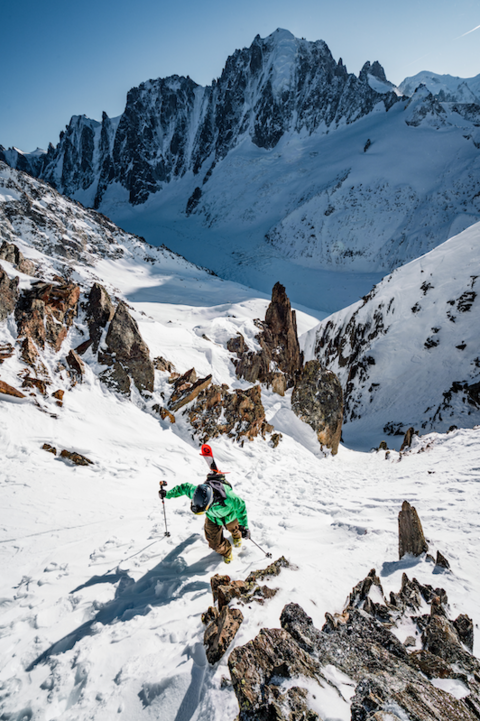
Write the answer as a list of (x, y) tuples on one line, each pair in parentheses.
[(217, 483)]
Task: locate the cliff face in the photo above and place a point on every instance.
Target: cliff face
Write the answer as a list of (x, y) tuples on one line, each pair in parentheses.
[(172, 125)]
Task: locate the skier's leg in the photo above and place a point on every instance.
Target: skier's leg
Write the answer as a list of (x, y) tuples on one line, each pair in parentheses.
[(215, 538), (234, 529)]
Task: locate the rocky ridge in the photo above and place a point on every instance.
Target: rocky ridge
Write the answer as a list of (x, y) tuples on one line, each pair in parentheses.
[(172, 125), (280, 673), (417, 324), (317, 394), (64, 325)]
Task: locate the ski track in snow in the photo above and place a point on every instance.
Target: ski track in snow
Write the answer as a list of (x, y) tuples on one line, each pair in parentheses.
[(100, 612)]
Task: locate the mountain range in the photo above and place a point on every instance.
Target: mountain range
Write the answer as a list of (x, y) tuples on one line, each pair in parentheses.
[(283, 168)]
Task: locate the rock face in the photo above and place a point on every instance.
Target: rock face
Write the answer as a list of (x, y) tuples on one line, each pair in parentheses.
[(280, 358), (238, 415), (224, 622), (11, 253), (46, 311), (317, 400), (148, 146), (126, 354), (410, 532), (186, 388), (256, 669), (221, 632), (8, 294), (391, 682), (99, 312), (363, 343), (8, 390)]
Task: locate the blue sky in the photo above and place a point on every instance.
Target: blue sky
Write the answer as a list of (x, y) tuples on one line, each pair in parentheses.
[(61, 59)]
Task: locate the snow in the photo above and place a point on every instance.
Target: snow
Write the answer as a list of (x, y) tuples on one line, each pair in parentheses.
[(427, 333), (466, 90), (100, 611), (323, 203)]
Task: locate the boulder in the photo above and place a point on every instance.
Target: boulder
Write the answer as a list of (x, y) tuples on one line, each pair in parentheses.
[(126, 354), (75, 364), (41, 384), (160, 364), (99, 312), (280, 358), (256, 670), (8, 294), (7, 390), (76, 458), (238, 415), (410, 532), (12, 254), (317, 400), (58, 395), (50, 449), (441, 562), (6, 351), (407, 440), (164, 413), (186, 389), (220, 633), (46, 311)]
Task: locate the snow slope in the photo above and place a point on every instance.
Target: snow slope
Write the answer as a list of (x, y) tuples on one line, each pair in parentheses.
[(446, 87), (100, 613), (408, 354), (321, 203), (284, 168)]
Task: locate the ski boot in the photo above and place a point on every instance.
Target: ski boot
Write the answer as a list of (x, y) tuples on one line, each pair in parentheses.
[(229, 557), (237, 542)]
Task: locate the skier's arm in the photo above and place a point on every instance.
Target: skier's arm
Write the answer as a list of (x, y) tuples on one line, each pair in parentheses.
[(238, 505), (184, 489)]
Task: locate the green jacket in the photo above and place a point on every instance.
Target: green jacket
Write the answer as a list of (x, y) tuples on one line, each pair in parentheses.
[(234, 507)]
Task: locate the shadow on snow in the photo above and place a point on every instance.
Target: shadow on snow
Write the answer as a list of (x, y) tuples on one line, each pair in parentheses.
[(170, 579)]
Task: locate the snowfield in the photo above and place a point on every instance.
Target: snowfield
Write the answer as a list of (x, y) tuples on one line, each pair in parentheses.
[(100, 612), (112, 608)]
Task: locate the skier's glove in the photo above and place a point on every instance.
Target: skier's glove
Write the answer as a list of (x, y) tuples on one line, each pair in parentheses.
[(244, 531), (162, 493)]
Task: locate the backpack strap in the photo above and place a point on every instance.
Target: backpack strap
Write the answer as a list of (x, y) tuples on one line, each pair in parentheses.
[(217, 483)]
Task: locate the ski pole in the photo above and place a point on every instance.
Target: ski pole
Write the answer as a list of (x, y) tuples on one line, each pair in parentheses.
[(164, 483), (268, 555)]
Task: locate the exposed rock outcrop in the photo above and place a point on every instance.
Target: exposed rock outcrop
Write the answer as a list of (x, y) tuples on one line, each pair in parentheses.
[(410, 532), (12, 254), (8, 294), (186, 388), (7, 390), (220, 632), (391, 678), (224, 622), (317, 400), (76, 365), (280, 358), (6, 351), (46, 311), (126, 354), (99, 312), (76, 458), (238, 415)]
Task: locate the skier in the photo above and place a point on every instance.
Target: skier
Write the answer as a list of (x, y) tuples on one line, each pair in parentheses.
[(221, 506)]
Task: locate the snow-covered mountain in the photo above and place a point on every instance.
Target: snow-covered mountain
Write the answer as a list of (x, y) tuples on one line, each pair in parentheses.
[(171, 126), (100, 611), (407, 354), (286, 166), (446, 88)]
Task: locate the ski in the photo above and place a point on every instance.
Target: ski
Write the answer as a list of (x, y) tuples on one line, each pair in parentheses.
[(207, 453)]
